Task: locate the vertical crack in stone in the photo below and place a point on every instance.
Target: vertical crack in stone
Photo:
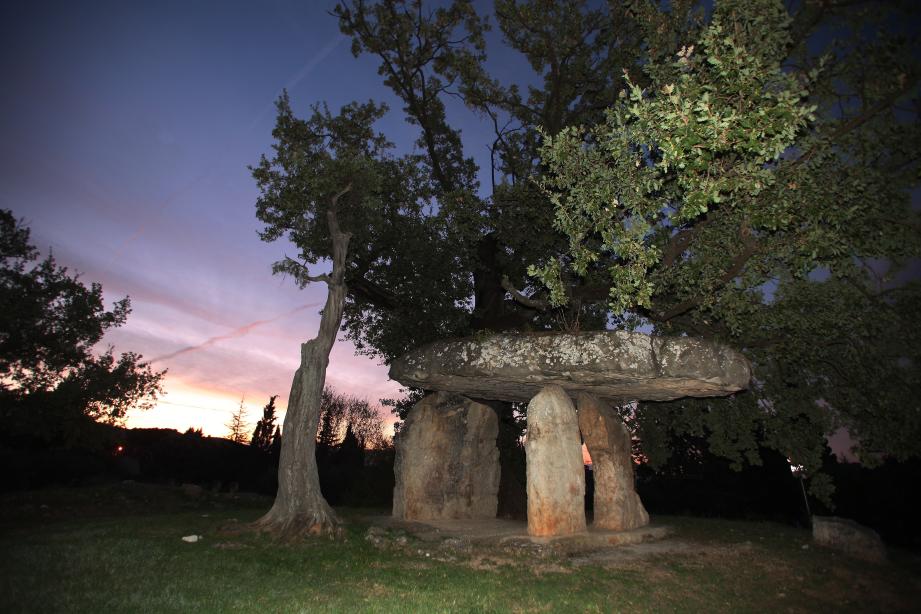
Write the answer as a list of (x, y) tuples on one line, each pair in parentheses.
[(655, 356), (447, 462)]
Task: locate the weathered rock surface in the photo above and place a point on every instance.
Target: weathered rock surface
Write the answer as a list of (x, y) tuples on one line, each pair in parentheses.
[(610, 364), (556, 479), (616, 504), (447, 462), (849, 537)]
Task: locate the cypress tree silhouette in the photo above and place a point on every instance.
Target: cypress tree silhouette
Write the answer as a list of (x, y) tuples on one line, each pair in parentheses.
[(266, 430)]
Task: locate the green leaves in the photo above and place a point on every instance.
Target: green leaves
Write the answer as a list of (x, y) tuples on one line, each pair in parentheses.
[(695, 169), (726, 174), (314, 160), (668, 153)]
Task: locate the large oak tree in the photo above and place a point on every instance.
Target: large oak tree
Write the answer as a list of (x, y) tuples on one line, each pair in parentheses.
[(739, 172)]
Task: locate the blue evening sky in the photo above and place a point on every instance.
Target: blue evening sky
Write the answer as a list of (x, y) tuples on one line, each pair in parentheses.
[(127, 128)]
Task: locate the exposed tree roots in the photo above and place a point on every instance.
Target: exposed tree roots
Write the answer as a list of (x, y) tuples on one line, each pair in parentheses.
[(294, 527)]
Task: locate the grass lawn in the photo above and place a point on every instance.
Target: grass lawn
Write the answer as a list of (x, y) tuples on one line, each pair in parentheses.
[(116, 548)]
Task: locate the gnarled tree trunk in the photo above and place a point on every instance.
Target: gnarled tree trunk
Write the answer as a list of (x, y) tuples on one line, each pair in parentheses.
[(299, 507)]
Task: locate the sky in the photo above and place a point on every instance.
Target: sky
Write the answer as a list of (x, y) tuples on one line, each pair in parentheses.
[(127, 129)]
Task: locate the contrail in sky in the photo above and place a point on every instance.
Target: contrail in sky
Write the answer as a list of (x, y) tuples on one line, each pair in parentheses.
[(160, 208), (237, 332), (300, 75)]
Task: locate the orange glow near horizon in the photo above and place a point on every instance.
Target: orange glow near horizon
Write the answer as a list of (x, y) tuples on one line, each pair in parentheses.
[(185, 406)]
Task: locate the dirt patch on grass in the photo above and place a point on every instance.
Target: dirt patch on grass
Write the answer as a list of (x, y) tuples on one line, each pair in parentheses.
[(617, 556), (490, 546)]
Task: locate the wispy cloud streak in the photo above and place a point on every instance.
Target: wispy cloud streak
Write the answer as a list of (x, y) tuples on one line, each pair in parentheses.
[(300, 75), (237, 332)]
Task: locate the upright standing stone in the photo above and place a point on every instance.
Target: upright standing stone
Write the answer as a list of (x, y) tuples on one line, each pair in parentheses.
[(556, 480), (447, 462), (617, 506), (849, 537)]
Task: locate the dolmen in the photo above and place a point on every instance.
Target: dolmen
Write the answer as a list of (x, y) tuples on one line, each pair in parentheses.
[(447, 463)]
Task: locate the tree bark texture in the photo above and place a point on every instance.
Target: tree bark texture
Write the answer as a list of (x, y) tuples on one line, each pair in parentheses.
[(299, 507)]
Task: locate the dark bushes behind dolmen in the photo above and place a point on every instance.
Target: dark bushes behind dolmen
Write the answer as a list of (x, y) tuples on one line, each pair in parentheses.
[(165, 455), (348, 477), (883, 498), (153, 455)]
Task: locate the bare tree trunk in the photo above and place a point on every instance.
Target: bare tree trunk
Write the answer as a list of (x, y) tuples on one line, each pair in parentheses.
[(299, 507)]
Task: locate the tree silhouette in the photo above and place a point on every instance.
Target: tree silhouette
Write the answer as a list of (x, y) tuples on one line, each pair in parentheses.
[(51, 378), (237, 426), (275, 448), (333, 408), (264, 433), (341, 414), (349, 427), (326, 184)]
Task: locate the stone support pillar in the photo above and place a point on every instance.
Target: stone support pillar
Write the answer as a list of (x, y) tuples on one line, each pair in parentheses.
[(617, 506), (556, 478), (447, 462)]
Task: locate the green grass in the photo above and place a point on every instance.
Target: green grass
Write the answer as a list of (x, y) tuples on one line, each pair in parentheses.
[(118, 549)]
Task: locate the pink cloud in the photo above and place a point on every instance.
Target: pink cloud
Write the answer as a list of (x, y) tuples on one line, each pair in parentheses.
[(237, 332)]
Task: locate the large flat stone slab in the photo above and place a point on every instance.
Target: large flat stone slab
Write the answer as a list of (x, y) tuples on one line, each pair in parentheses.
[(615, 365)]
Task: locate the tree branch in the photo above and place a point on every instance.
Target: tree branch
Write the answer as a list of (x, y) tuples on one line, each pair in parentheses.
[(305, 271), (738, 263), (528, 301), (361, 288), (679, 242), (858, 120)]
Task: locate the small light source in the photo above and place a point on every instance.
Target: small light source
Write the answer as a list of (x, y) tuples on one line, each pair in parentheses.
[(119, 449)]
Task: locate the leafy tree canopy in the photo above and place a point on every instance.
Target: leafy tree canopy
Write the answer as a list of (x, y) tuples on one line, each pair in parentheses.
[(748, 191), (50, 378), (387, 213), (739, 171)]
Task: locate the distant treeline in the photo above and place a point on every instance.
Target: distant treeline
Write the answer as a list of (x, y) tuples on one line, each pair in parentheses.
[(351, 475)]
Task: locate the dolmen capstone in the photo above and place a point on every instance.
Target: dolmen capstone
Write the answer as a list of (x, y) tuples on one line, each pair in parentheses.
[(449, 429)]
